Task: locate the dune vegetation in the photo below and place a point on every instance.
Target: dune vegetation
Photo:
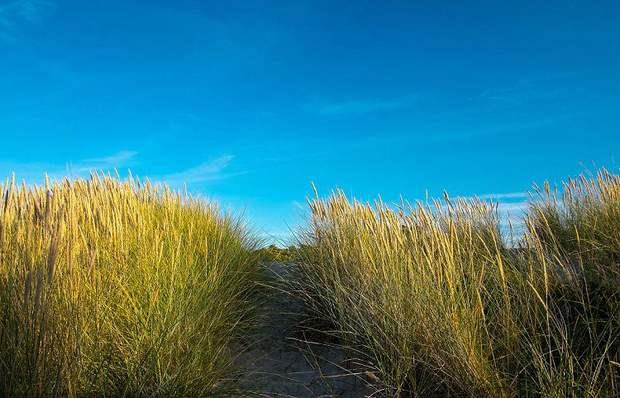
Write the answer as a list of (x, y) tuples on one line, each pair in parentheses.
[(114, 287), (120, 288), (435, 300)]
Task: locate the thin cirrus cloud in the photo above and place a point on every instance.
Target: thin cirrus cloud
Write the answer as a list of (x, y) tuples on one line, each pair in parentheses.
[(14, 14), (35, 172), (212, 170), (501, 196), (512, 208), (357, 107), (119, 159), (515, 202)]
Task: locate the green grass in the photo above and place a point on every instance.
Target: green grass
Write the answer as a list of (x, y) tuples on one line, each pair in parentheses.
[(111, 288), (437, 304)]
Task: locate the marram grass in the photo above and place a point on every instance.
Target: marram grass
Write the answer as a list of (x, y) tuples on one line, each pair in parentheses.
[(435, 303), (119, 288)]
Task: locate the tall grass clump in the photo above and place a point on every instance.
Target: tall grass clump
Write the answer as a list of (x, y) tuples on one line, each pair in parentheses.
[(436, 303), (119, 288), (577, 232)]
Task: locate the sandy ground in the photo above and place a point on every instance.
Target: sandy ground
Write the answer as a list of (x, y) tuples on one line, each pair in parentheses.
[(283, 364)]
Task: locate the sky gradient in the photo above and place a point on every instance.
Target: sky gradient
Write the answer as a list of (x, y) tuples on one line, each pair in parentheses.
[(249, 102)]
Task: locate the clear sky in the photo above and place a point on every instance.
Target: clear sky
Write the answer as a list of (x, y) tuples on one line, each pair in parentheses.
[(249, 102)]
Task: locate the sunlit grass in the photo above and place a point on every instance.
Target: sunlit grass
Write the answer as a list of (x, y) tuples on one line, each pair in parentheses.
[(112, 288), (438, 304)]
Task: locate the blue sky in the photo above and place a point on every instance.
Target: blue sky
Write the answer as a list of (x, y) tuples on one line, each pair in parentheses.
[(248, 102)]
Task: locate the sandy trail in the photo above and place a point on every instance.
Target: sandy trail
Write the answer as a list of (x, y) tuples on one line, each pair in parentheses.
[(283, 365)]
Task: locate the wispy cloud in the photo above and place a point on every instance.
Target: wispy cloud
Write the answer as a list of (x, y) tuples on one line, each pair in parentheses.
[(212, 170), (513, 213), (120, 159), (511, 209), (14, 14), (364, 106), (500, 196), (116, 160), (297, 205), (528, 89), (34, 172), (512, 218)]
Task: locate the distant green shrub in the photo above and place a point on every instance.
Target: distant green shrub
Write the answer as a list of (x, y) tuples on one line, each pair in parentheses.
[(272, 253)]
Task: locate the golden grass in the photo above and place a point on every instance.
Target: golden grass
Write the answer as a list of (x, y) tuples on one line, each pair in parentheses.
[(438, 304), (114, 288)]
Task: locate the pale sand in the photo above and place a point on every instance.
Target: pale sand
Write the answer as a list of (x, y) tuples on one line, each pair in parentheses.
[(282, 364)]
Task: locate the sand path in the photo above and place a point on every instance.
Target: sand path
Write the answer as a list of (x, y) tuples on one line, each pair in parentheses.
[(282, 364)]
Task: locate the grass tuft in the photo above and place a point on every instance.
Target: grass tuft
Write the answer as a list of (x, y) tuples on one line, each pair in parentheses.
[(120, 288), (440, 305)]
